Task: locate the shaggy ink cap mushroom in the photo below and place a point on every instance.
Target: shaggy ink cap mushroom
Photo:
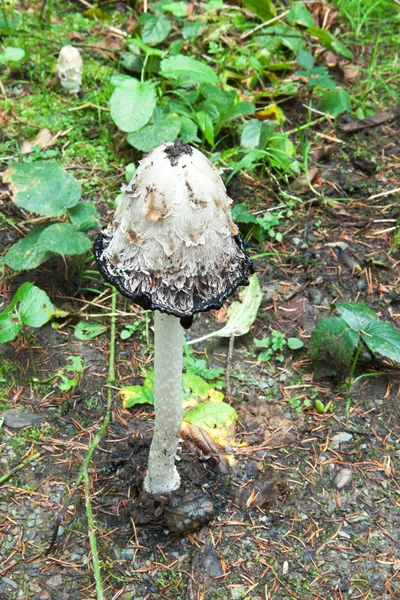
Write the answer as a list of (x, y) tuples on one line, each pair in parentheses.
[(172, 245)]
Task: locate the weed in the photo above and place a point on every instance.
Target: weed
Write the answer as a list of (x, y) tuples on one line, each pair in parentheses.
[(274, 346)]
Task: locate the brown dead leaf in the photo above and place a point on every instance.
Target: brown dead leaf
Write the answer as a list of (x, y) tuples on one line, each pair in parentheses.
[(220, 315), (198, 438), (190, 11), (350, 72), (75, 36), (43, 140), (323, 14), (301, 182), (331, 60), (113, 42)]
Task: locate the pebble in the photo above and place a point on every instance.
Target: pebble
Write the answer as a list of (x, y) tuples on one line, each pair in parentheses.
[(10, 582), (55, 581), (343, 478), (127, 554), (18, 420), (285, 568), (340, 438)]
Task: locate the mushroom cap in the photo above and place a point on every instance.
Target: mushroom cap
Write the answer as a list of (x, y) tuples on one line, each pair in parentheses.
[(69, 58), (172, 245)]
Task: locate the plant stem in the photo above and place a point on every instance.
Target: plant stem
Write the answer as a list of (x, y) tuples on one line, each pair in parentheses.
[(7, 476), (92, 536), (350, 381), (31, 358), (162, 476)]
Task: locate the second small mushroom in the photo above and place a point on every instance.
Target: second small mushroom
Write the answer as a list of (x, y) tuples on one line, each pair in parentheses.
[(172, 247)]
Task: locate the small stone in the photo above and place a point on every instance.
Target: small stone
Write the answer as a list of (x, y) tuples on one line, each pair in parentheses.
[(18, 420), (211, 562), (10, 582), (340, 438), (44, 595), (127, 554), (285, 568), (30, 523), (55, 581), (343, 478)]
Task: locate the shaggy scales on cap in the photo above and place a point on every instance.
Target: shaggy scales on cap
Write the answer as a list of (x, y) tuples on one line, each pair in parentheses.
[(172, 245)]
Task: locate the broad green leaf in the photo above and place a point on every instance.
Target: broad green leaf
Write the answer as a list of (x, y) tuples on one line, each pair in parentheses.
[(206, 126), (178, 9), (35, 307), (132, 104), (294, 343), (188, 130), (164, 129), (330, 41), (138, 394), (332, 347), (10, 326), (88, 331), (119, 79), (300, 15), (184, 68), (84, 216), (356, 315), (131, 62), (43, 187), (241, 214), (75, 366), (154, 29), (305, 59), (11, 54), (217, 418), (238, 110), (382, 338), (191, 30), (148, 50), (62, 238), (265, 9), (287, 36), (335, 102), (194, 386), (27, 253), (241, 315), (255, 133)]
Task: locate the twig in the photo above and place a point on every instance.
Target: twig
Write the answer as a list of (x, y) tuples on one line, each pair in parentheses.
[(7, 476), (277, 18), (229, 366), (97, 437), (92, 536)]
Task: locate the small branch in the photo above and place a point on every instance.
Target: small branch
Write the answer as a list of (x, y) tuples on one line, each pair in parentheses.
[(92, 536), (265, 24), (25, 463)]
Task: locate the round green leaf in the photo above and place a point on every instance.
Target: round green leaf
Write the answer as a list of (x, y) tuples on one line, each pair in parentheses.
[(164, 129), (43, 187), (154, 29), (84, 216), (187, 68), (382, 338), (11, 54), (63, 238), (35, 307), (294, 343), (27, 253), (335, 102), (88, 331), (132, 104)]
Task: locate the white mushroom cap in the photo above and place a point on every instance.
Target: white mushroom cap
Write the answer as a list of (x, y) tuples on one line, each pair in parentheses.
[(69, 69), (172, 245)]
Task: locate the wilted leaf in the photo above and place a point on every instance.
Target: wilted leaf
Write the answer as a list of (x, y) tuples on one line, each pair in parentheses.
[(241, 315), (43, 187), (271, 113), (43, 140)]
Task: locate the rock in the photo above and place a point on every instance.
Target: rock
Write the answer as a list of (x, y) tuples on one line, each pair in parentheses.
[(127, 554), (343, 478), (10, 582), (18, 420), (211, 563), (340, 438), (55, 581), (285, 568), (44, 595)]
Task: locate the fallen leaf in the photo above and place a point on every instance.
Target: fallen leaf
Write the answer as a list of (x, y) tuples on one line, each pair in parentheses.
[(75, 36), (350, 72), (43, 140), (301, 182), (270, 113), (323, 14), (221, 456), (331, 59)]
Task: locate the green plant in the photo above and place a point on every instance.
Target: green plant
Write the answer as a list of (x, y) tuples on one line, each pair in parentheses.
[(76, 368), (275, 344), (260, 227), (299, 404), (336, 342), (11, 54), (45, 188)]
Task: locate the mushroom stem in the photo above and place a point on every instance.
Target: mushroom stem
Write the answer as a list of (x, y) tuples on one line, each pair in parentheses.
[(162, 476)]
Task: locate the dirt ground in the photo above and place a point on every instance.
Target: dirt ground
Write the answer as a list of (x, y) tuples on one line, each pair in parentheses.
[(310, 510)]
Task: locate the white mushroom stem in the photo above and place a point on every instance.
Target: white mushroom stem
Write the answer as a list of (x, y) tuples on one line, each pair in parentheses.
[(162, 476)]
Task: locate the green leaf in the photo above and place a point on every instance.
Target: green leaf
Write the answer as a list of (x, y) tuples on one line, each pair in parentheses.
[(319, 407), (335, 102), (184, 68), (239, 109), (88, 331), (194, 386), (217, 418), (130, 170), (294, 343), (206, 126), (84, 216), (154, 29), (62, 238), (10, 326), (132, 104), (178, 9), (241, 214), (35, 306), (148, 50), (188, 130), (356, 315), (305, 59), (332, 347), (43, 187), (241, 315), (27, 253), (164, 129), (255, 133), (11, 54), (76, 365), (382, 338), (300, 15), (191, 30), (262, 8), (139, 394), (330, 41)]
